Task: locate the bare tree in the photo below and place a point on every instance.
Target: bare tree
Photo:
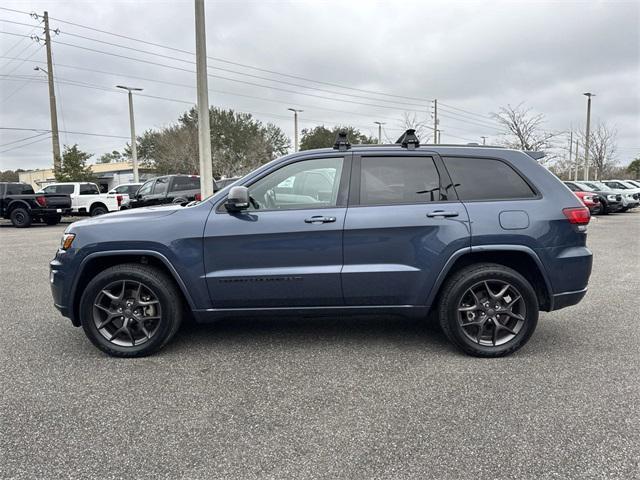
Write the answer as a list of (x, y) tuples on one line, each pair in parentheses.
[(524, 128), (602, 150), (423, 130)]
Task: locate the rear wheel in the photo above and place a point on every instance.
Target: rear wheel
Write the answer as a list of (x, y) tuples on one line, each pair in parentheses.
[(53, 219), (20, 217), (130, 310), (488, 310), (604, 210), (98, 210)]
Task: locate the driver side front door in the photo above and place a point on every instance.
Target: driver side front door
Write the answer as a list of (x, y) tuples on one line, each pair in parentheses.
[(286, 249)]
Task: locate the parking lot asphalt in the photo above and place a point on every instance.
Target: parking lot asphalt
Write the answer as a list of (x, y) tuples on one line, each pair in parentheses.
[(323, 398)]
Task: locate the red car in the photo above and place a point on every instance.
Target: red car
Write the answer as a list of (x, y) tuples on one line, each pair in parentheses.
[(590, 200)]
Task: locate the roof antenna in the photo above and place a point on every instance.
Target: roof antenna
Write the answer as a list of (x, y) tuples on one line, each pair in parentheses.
[(409, 140), (342, 142)]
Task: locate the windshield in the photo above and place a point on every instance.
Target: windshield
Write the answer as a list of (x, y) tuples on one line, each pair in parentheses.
[(592, 186)]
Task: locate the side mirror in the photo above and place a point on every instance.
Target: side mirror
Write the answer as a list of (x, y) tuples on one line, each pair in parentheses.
[(238, 199)]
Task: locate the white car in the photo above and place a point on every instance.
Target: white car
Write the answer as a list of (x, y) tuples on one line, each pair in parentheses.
[(629, 199), (86, 198), (128, 190)]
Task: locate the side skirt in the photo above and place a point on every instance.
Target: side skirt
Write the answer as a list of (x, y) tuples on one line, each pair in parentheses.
[(213, 314)]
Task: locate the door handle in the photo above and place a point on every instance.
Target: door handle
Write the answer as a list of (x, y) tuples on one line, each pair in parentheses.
[(319, 219), (441, 213)]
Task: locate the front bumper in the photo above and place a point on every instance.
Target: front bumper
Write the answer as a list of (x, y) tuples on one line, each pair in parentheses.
[(59, 282)]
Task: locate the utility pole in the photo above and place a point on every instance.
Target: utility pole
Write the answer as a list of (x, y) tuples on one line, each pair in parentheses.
[(440, 135), (588, 135), (55, 138), (204, 128), (435, 121), (379, 131), (134, 140), (484, 140), (570, 151), (577, 163), (295, 127)]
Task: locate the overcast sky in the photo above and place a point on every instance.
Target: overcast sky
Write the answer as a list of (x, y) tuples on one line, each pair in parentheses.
[(473, 56)]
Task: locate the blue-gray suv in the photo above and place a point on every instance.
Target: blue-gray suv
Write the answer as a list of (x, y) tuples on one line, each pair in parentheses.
[(483, 237)]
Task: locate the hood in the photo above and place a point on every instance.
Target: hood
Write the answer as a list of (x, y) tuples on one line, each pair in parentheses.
[(130, 215)]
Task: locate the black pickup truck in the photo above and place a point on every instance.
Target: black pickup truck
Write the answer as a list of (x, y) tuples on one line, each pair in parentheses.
[(168, 189), (20, 204)]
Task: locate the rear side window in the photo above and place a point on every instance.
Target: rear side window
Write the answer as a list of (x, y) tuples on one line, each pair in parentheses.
[(85, 189), (161, 186), (185, 183), (395, 180), (486, 179), (19, 189)]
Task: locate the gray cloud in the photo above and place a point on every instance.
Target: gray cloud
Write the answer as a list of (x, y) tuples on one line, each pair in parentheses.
[(472, 55)]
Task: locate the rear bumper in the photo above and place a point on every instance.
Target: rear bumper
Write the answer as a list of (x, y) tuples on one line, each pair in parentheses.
[(566, 299)]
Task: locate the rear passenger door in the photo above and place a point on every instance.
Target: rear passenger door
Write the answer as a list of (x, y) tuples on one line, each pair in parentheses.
[(403, 222)]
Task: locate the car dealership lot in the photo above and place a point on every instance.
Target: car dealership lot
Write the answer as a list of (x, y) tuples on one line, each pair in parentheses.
[(322, 398)]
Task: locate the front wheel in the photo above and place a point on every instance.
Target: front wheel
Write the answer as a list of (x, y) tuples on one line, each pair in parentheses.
[(99, 210), (130, 310), (488, 310)]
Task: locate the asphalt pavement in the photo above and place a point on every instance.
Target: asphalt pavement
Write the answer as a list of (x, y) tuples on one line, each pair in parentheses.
[(352, 397)]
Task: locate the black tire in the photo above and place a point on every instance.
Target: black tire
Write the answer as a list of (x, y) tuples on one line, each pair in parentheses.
[(98, 210), (453, 295), (156, 282), (180, 200), (53, 219), (20, 217), (604, 210)]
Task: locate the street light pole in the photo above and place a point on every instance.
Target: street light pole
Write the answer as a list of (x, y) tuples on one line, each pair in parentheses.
[(379, 131), (588, 135), (132, 124), (295, 127)]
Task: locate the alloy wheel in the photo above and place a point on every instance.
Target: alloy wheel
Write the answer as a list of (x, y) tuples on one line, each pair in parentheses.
[(127, 313), (491, 313)]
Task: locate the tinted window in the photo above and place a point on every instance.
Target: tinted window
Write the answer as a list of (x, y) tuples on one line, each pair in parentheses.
[(132, 189), (161, 186), (486, 179), (19, 189), (185, 183), (287, 188), (85, 189), (572, 187), (146, 188), (391, 180)]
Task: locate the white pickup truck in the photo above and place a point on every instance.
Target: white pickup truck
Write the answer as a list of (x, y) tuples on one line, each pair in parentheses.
[(86, 198)]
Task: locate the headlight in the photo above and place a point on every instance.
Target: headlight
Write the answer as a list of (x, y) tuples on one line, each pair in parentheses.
[(611, 197), (67, 240), (629, 196)]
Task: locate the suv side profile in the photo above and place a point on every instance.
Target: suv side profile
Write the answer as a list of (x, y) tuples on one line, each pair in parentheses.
[(485, 237)]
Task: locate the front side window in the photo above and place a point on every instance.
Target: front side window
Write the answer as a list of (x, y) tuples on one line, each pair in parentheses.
[(396, 180), (300, 185), (161, 186), (572, 187), (486, 179), (146, 188)]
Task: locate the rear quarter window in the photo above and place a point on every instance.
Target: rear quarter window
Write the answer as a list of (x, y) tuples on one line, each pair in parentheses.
[(19, 189), (486, 179)]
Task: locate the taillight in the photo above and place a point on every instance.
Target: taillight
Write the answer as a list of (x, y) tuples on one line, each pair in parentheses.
[(577, 215), (42, 200), (119, 199), (198, 197)]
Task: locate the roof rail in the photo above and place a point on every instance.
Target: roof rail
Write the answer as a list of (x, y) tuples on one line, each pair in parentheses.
[(409, 140), (342, 142)]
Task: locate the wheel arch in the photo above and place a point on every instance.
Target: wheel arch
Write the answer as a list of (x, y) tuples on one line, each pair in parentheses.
[(17, 204), (520, 258), (99, 261), (96, 205)]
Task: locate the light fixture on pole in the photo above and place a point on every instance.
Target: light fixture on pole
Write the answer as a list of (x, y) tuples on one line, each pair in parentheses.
[(295, 127), (379, 131), (134, 149), (587, 135)]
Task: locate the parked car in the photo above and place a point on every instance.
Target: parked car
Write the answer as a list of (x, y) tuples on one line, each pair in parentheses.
[(629, 199), (591, 201), (483, 236), (610, 201), (20, 204), (625, 186), (86, 198), (128, 191), (168, 189), (224, 182), (634, 182)]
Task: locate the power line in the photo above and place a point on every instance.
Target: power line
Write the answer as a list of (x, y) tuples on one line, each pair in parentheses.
[(65, 131), (26, 144), (23, 139)]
